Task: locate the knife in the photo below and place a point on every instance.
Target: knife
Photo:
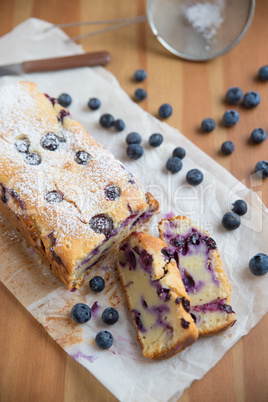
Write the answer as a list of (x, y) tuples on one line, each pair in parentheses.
[(58, 63)]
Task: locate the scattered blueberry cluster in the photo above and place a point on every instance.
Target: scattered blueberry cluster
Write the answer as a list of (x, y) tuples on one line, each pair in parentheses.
[(133, 140), (139, 76), (134, 148), (251, 99), (108, 121), (174, 165), (81, 313), (231, 220), (140, 94), (234, 96)]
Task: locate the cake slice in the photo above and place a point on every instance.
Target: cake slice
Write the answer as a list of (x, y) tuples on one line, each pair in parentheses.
[(156, 296), (201, 270), (66, 194)]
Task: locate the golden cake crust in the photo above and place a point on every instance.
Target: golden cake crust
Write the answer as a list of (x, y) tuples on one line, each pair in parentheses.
[(61, 232)]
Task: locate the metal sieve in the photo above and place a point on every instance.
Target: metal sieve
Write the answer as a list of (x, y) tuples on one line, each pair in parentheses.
[(193, 30)]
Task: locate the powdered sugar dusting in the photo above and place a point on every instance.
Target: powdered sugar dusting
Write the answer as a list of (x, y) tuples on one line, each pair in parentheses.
[(206, 18), (25, 113)]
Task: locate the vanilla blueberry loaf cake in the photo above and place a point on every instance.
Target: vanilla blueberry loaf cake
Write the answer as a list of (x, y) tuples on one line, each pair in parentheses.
[(67, 195), (156, 296), (201, 270)]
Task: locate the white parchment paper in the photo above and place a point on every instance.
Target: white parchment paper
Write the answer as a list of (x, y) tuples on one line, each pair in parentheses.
[(122, 368)]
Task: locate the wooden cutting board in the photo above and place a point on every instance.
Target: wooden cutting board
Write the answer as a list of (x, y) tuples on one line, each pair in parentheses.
[(32, 366)]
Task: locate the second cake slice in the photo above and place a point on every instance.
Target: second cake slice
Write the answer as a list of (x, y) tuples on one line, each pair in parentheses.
[(199, 263), (156, 296)]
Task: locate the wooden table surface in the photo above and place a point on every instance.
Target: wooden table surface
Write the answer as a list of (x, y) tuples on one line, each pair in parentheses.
[(32, 366)]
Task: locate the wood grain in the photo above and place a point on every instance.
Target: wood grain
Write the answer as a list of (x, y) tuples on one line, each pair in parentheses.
[(32, 366)]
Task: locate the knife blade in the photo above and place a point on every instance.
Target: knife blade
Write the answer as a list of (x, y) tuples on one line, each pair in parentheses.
[(58, 63)]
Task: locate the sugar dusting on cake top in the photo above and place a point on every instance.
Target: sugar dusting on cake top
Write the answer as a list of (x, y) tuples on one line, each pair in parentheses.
[(70, 163)]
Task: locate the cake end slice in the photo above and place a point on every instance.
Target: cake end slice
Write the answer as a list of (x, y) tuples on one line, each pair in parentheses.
[(156, 296)]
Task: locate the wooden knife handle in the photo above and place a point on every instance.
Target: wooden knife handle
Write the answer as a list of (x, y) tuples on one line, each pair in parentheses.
[(61, 63)]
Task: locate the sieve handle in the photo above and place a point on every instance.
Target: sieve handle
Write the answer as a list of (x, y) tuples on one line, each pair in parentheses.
[(62, 63)]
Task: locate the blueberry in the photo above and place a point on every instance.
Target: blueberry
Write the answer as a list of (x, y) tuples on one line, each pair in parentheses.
[(54, 197), (231, 221), (165, 110), (133, 138), (104, 339), (261, 169), (230, 118), (97, 284), (156, 140), (63, 113), (194, 177), (227, 147), (211, 244), (110, 316), (140, 94), (134, 151), (82, 157), (208, 125), (186, 304), (251, 99), (185, 324), (94, 103), (50, 142), (112, 192), (258, 135), (258, 264), (263, 73), (194, 239), (106, 120), (119, 125), (33, 159), (234, 95), (240, 207), (179, 152), (52, 100), (140, 75), (5, 195), (101, 224), (22, 145), (81, 313), (167, 253), (174, 164), (64, 100)]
